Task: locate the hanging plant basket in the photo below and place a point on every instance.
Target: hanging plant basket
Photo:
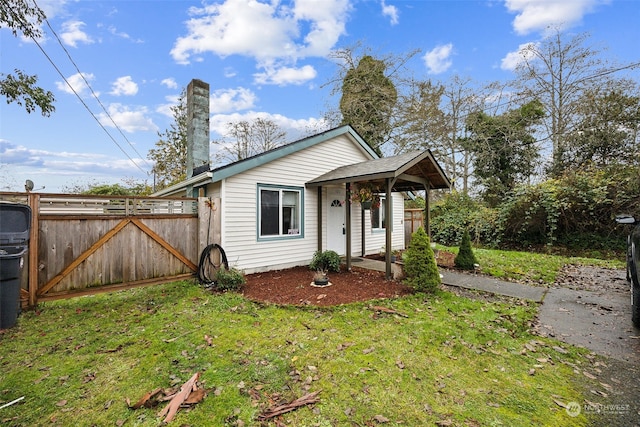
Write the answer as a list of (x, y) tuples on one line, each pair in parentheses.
[(366, 205)]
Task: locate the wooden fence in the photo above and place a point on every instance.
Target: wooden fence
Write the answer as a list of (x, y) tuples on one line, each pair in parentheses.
[(413, 219), (81, 245)]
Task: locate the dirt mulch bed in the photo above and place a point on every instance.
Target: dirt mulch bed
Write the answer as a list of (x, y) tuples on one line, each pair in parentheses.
[(293, 286)]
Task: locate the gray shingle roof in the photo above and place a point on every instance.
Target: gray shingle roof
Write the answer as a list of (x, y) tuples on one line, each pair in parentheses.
[(411, 170)]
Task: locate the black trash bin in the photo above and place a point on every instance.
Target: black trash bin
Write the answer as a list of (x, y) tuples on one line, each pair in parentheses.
[(15, 224)]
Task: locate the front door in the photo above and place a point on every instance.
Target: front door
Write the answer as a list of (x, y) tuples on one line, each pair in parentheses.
[(336, 228)]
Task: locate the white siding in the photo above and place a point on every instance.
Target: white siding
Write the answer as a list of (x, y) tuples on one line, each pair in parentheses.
[(239, 205), (375, 240)]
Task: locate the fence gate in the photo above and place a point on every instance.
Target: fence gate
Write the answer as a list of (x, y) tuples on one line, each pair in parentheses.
[(87, 244)]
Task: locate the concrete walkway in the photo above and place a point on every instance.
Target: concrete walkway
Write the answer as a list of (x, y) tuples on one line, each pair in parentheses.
[(468, 281), (598, 321)]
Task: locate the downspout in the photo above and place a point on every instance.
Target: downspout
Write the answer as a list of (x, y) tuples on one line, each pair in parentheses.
[(348, 223), (319, 218)]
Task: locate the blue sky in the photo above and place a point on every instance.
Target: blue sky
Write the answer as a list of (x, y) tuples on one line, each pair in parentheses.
[(261, 58)]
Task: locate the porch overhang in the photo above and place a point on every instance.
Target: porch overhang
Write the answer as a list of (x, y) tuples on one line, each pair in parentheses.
[(413, 171)]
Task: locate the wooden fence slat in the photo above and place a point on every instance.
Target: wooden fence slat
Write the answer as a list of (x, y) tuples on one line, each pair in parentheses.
[(164, 244), (53, 282)]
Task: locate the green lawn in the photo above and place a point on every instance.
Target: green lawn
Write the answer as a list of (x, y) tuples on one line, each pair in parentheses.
[(452, 359), (535, 268)]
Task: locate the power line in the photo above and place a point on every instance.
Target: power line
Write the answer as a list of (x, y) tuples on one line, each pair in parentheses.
[(92, 91), (18, 18)]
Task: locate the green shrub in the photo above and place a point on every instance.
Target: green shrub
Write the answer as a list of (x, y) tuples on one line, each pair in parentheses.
[(420, 264), (465, 259), (229, 280), (455, 213), (327, 261)]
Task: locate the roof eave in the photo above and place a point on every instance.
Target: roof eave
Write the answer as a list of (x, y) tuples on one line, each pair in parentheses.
[(194, 181)]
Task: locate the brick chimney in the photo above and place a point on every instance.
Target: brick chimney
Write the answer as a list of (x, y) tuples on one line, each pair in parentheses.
[(197, 127)]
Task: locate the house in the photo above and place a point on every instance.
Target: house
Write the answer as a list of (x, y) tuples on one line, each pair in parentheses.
[(277, 208)]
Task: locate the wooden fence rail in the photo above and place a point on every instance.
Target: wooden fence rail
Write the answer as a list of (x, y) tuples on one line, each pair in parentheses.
[(87, 244)]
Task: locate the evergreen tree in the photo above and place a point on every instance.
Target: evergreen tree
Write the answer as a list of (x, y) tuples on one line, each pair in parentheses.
[(465, 259), (420, 264), (368, 99)]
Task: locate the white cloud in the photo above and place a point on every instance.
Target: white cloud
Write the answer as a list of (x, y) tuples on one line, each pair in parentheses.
[(286, 75), (390, 11), (295, 128), (72, 33), (56, 169), (538, 15), (264, 31), (77, 82), (124, 86), (113, 30), (170, 83), (226, 100), (438, 59), (165, 109), (513, 59), (128, 119)]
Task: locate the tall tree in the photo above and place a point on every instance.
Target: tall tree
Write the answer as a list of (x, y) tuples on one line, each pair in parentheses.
[(368, 99), (432, 116), (169, 156), (559, 72), (22, 18), (504, 148), (609, 128), (244, 139)]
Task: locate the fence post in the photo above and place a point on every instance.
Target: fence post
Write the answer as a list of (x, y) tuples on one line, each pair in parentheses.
[(34, 243)]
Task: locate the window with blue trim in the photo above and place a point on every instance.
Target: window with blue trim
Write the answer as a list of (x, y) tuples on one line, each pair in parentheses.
[(279, 211)]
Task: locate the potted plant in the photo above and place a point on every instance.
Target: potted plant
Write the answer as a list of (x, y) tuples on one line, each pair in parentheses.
[(322, 263), (366, 195), (320, 278)]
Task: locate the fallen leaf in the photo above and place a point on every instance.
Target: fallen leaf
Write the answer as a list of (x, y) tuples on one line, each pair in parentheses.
[(61, 403), (195, 396), (399, 364), (145, 400), (368, 350), (209, 340), (381, 419)]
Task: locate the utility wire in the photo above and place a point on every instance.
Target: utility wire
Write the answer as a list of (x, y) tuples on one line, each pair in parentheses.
[(33, 37), (92, 91)]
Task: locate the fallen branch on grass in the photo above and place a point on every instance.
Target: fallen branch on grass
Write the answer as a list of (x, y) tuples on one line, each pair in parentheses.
[(180, 397), (189, 394), (387, 310), (274, 411)]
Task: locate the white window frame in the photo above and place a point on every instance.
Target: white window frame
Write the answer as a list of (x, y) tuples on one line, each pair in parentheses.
[(382, 210)]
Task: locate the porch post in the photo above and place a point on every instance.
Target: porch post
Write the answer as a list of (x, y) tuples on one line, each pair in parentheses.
[(426, 215), (319, 218), (362, 240), (347, 201), (387, 228)]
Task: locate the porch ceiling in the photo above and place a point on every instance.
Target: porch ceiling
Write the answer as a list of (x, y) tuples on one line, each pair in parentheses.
[(412, 171)]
